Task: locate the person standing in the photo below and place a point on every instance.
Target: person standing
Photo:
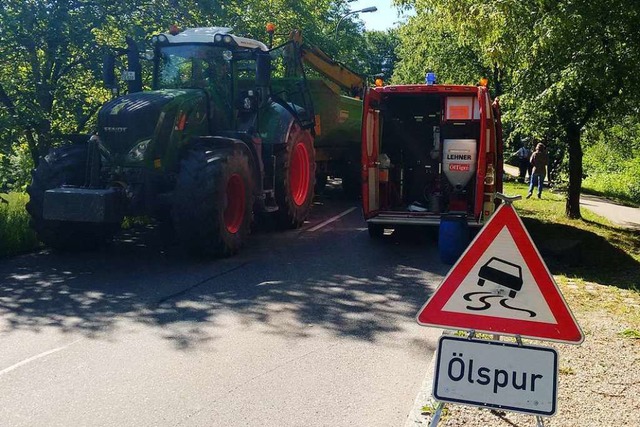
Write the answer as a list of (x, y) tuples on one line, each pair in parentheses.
[(539, 160), (524, 165)]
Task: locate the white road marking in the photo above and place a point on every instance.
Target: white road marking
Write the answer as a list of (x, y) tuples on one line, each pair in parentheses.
[(330, 220), (36, 357)]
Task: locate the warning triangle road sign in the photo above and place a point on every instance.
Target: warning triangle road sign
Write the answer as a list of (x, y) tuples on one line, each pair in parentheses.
[(501, 285)]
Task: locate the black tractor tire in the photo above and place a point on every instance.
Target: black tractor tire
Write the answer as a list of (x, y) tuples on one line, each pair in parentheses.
[(213, 202), (295, 178), (64, 166)]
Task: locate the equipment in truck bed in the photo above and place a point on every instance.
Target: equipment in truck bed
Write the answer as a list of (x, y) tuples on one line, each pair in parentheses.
[(428, 151)]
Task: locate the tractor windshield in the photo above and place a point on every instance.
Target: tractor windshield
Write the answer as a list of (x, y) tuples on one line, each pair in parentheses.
[(193, 66)]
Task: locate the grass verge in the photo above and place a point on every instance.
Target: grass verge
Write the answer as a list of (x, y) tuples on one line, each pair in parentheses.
[(599, 272), (15, 234)]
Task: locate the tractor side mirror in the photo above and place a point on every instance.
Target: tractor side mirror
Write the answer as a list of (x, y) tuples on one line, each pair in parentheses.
[(263, 70), (263, 77), (134, 69), (108, 71)]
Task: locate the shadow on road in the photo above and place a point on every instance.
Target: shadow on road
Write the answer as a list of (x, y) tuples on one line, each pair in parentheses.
[(579, 253), (286, 283)]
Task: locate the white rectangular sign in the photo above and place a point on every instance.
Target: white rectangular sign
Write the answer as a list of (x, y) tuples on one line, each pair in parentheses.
[(496, 374)]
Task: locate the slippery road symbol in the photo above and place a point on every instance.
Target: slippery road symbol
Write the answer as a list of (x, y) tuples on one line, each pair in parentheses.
[(503, 273)]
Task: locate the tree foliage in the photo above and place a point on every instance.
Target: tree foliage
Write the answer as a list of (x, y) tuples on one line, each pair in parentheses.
[(380, 53), (429, 47), (50, 76), (560, 65)]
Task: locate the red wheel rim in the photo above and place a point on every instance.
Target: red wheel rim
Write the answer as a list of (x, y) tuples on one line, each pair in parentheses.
[(299, 172), (234, 211)]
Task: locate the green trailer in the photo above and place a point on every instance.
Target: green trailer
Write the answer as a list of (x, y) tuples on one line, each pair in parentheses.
[(338, 120)]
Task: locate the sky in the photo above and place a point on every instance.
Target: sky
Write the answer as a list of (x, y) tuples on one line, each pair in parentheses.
[(383, 19)]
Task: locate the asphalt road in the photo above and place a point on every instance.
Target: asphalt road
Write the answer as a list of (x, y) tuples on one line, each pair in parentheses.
[(309, 327)]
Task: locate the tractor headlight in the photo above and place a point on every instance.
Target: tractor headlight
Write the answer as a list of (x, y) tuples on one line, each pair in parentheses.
[(136, 154), (217, 38)]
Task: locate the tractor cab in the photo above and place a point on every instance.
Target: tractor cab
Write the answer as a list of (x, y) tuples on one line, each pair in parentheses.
[(233, 71)]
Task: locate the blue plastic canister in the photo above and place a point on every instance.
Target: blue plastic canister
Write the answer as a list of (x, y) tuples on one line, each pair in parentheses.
[(453, 237)]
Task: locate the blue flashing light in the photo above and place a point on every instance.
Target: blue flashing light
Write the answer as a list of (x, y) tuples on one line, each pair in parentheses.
[(431, 78)]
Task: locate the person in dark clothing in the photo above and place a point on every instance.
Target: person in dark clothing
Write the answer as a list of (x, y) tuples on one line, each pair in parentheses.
[(524, 165), (539, 160)]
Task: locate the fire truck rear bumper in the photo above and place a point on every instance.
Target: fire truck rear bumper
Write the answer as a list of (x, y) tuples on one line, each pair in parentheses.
[(416, 219)]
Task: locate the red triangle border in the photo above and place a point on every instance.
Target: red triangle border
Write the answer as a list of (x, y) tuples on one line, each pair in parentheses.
[(566, 330)]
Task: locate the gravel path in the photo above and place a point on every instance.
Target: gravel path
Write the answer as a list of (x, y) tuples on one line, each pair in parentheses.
[(624, 216), (599, 380)]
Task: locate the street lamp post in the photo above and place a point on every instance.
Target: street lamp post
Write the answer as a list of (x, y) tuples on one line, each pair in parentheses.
[(365, 10)]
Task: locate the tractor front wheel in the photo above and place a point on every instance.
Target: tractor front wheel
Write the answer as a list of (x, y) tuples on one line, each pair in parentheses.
[(213, 202), (64, 166)]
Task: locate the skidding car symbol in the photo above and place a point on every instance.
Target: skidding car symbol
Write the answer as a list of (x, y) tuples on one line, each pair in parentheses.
[(503, 273)]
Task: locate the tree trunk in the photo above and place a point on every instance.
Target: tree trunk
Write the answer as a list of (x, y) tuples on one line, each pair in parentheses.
[(33, 147), (575, 172), (497, 80)]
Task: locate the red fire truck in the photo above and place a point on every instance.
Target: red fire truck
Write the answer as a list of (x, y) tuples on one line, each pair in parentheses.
[(430, 152)]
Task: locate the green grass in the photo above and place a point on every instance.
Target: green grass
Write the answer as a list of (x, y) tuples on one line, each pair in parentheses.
[(603, 275), (15, 234), (630, 333), (431, 408)]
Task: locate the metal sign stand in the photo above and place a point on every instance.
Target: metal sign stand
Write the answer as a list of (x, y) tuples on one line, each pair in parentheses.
[(440, 407)]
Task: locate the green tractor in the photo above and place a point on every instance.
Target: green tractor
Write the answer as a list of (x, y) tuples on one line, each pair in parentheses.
[(226, 134)]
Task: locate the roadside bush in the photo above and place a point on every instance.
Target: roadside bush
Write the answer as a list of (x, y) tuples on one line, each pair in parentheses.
[(612, 172), (15, 234), (15, 168)]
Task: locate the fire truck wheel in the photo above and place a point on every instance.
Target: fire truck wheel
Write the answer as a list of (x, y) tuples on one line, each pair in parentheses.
[(213, 202), (376, 231), (295, 177), (64, 166)]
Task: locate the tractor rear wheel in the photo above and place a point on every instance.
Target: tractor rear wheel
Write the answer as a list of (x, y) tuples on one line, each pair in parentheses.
[(295, 177), (213, 202), (64, 166)]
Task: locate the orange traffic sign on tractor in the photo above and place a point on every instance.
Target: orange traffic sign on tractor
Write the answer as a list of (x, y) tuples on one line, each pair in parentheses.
[(501, 285)]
